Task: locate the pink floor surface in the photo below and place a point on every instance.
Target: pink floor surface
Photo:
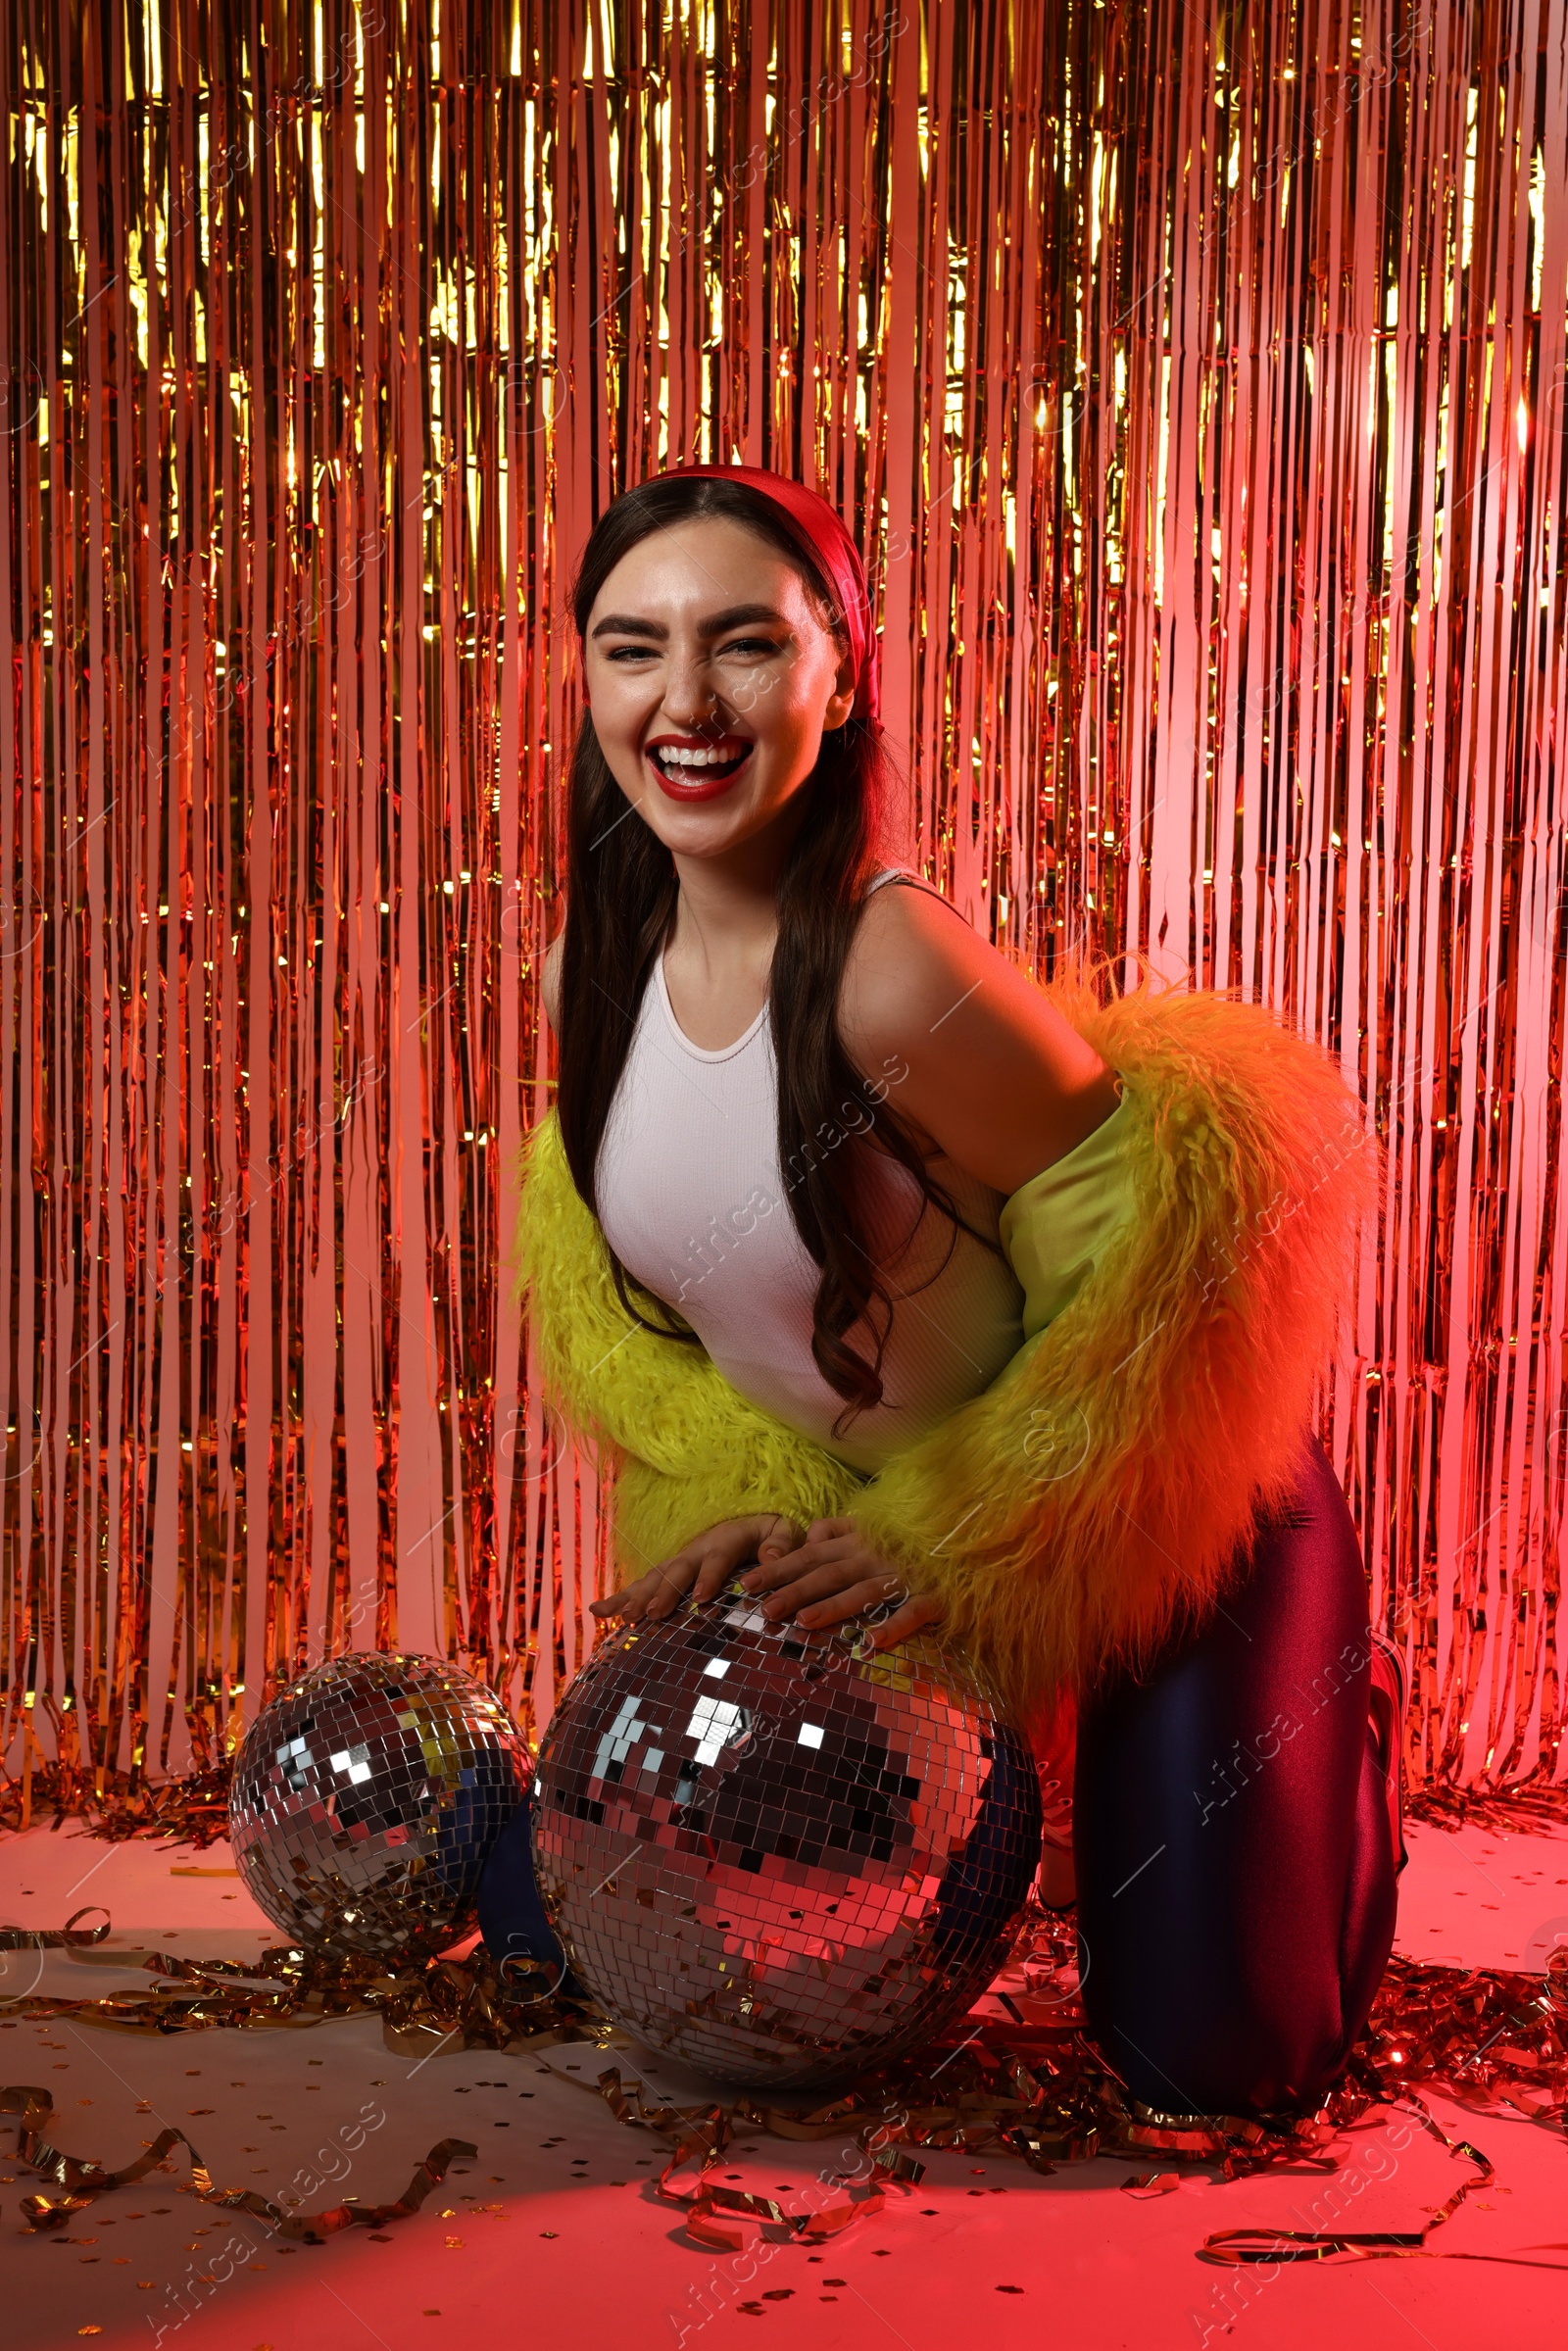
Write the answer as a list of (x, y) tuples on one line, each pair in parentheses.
[(553, 2236)]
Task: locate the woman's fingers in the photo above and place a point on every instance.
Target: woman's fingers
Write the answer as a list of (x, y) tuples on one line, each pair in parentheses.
[(786, 1547), (718, 1563), (705, 1565), (914, 1615), (725, 1545), (678, 1576), (821, 1577), (812, 1552), (837, 1607), (836, 1579), (669, 1579), (628, 1601)]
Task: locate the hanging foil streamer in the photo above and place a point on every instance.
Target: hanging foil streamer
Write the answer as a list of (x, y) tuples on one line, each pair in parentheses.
[(1198, 381)]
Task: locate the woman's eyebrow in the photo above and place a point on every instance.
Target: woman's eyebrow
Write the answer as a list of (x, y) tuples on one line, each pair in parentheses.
[(626, 624), (736, 616)]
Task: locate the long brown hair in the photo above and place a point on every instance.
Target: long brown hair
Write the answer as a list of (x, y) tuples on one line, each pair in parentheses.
[(621, 893)]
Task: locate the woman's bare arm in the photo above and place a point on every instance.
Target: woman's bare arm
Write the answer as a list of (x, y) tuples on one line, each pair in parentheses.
[(997, 1080), (550, 982)]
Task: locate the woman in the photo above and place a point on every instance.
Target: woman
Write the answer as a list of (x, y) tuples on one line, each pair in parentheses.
[(922, 1296)]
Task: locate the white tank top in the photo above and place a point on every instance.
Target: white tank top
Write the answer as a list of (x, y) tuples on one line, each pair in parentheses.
[(694, 1201)]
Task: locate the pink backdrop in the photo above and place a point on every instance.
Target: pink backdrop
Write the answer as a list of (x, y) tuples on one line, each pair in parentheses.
[(1198, 381)]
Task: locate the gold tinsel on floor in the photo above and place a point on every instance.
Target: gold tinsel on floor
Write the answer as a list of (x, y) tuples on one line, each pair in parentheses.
[(1028, 2084)]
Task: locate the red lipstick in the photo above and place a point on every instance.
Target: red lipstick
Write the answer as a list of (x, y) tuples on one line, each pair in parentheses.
[(693, 780)]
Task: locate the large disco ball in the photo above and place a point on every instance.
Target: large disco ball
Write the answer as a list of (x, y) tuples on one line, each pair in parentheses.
[(774, 1859), (365, 1800)]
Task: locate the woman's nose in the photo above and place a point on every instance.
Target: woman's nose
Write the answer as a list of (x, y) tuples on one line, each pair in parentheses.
[(690, 699)]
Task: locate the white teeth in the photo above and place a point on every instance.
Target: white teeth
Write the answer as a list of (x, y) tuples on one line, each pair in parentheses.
[(674, 755)]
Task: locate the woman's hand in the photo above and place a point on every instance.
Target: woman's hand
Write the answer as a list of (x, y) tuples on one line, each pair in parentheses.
[(832, 1575), (705, 1566)]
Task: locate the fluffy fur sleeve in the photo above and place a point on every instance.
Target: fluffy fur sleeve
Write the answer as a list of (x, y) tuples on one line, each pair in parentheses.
[(1097, 1493), (1102, 1489)]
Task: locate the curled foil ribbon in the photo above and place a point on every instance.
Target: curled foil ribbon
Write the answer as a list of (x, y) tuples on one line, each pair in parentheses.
[(68, 1937), (83, 2179), (1028, 2085), (1234, 2248)]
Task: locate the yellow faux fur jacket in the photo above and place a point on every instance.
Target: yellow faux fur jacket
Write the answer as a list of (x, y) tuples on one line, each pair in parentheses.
[(1101, 1492)]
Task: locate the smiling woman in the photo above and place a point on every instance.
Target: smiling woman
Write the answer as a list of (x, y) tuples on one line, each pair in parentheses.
[(923, 1295), (727, 795)]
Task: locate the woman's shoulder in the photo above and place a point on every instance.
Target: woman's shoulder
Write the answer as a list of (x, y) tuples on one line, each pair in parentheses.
[(912, 957), (991, 1071)]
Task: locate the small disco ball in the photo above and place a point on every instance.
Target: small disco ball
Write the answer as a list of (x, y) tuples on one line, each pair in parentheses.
[(365, 1800), (776, 1859)]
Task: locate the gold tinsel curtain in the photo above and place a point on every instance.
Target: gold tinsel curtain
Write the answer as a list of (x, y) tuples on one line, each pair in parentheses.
[(1197, 380)]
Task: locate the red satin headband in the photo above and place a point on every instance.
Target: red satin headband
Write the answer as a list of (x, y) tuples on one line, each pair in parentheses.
[(838, 559)]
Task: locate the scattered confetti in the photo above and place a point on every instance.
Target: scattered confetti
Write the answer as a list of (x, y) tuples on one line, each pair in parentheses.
[(1033, 2091)]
